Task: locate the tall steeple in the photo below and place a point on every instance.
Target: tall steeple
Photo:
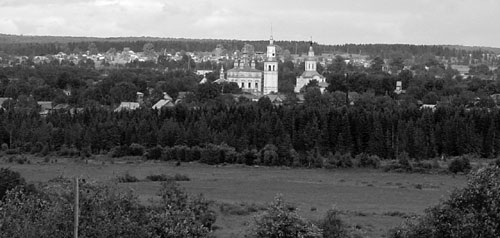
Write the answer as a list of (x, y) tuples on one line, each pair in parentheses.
[(310, 63), (221, 75), (311, 50), (270, 68)]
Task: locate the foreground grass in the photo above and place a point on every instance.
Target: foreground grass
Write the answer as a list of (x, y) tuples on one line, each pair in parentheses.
[(369, 200)]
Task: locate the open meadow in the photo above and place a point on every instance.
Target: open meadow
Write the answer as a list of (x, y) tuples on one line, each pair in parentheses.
[(370, 201)]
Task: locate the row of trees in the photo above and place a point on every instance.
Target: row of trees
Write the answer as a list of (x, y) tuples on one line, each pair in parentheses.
[(384, 130)]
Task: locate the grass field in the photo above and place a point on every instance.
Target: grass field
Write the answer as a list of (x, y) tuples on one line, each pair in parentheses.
[(371, 201)]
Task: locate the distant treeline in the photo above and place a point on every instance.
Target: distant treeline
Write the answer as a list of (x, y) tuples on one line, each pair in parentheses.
[(32, 45), (288, 131)]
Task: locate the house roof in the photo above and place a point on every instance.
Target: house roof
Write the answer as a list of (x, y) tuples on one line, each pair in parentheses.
[(2, 100), (244, 70), (221, 80), (45, 105), (163, 103), (182, 95), (323, 84), (311, 74), (127, 106), (276, 98), (61, 106)]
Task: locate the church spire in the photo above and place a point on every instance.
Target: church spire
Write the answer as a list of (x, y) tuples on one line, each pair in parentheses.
[(311, 50), (271, 40)]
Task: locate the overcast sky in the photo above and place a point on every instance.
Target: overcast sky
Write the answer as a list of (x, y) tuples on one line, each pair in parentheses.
[(464, 22)]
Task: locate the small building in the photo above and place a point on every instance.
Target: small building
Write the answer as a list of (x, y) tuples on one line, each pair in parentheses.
[(399, 88), (166, 101), (276, 99), (130, 106), (203, 72), (45, 107), (2, 100)]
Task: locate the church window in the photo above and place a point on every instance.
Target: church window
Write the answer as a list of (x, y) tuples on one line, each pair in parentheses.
[(249, 85), (257, 85), (274, 68), (269, 67), (242, 85)]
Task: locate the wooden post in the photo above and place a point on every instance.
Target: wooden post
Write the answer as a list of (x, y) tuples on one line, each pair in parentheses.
[(76, 208)]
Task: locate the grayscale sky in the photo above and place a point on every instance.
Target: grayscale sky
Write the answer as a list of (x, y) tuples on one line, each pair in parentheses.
[(464, 22)]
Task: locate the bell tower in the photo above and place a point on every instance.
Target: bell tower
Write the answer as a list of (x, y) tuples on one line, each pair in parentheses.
[(310, 63), (270, 69)]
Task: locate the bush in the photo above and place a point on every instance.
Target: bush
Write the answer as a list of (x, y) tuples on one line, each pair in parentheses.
[(68, 151), (460, 164), (135, 150), (4, 147), (164, 177), (332, 226), (159, 177), (279, 221), (8, 180), (183, 217), (473, 211), (242, 209), (339, 161), (12, 151), (37, 148), (181, 177), (154, 153), (21, 160), (104, 212), (368, 161), (127, 178)]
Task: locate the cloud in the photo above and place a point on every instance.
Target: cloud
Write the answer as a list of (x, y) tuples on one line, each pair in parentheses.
[(358, 21)]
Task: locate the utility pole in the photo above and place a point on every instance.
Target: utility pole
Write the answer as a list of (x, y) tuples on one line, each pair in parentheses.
[(76, 210)]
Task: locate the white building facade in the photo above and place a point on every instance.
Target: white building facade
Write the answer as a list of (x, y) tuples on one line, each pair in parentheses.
[(271, 69), (310, 72)]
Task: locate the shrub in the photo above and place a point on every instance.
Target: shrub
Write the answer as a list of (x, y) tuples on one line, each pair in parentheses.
[(473, 211), (338, 161), (332, 226), (135, 150), (8, 180), (249, 157), (154, 153), (181, 177), (242, 209), (21, 160), (159, 177), (68, 151), (26, 147), (118, 151), (86, 152), (182, 217), (12, 151), (496, 162), (368, 161), (460, 164), (4, 147), (37, 148), (127, 178), (104, 212), (279, 221), (164, 177)]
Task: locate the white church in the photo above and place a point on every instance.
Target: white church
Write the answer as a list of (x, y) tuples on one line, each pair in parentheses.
[(310, 73), (258, 82)]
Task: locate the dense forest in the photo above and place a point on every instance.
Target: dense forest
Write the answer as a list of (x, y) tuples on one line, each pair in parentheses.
[(38, 45)]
